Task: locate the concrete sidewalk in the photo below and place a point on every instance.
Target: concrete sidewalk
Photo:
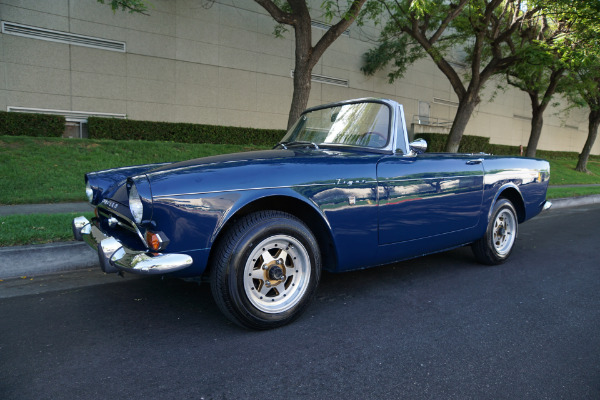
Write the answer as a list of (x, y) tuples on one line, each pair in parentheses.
[(54, 208), (49, 258)]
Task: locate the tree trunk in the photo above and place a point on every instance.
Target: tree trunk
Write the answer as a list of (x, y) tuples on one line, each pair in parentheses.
[(303, 66), (537, 122), (302, 84), (593, 123), (463, 114)]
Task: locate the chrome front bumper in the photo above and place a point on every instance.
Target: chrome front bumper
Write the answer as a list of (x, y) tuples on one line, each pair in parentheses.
[(115, 257)]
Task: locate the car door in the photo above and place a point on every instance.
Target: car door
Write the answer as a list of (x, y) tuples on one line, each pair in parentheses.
[(427, 195)]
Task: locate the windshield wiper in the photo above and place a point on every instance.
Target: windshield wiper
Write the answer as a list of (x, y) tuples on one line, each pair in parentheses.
[(299, 143)]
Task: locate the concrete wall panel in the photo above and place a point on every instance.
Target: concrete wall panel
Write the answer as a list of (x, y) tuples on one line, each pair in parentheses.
[(37, 100), (150, 91), (20, 50), (150, 111), (94, 104), (27, 16), (196, 52), (86, 84), (154, 68), (27, 78)]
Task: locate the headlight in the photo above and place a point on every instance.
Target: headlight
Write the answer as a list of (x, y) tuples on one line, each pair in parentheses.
[(89, 193), (135, 204)]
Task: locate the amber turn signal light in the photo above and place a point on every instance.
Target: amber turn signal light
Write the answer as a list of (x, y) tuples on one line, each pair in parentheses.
[(156, 240), (153, 240)]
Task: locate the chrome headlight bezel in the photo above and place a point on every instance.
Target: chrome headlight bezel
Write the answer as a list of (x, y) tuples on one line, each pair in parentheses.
[(89, 192), (136, 206), (140, 199)]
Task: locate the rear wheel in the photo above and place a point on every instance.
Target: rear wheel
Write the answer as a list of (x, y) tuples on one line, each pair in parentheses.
[(265, 270), (499, 239)]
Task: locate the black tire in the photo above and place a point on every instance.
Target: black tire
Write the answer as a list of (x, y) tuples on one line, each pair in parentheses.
[(498, 242), (265, 270)]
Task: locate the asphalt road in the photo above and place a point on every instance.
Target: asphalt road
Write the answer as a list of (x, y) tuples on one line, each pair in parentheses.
[(439, 327)]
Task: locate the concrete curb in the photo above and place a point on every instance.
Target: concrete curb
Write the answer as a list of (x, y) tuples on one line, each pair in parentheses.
[(576, 201), (50, 258), (45, 259)]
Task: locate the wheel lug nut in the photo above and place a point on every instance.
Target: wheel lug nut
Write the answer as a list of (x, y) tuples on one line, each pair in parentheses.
[(264, 266)]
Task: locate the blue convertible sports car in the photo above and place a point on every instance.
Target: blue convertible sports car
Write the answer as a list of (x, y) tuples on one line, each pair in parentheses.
[(343, 190)]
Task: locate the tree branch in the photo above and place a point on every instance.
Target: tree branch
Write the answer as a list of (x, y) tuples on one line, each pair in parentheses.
[(449, 18), (336, 30), (277, 13)]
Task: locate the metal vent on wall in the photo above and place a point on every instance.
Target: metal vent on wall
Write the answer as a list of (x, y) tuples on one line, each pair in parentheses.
[(326, 79), (11, 28), (68, 114), (324, 26), (445, 102)]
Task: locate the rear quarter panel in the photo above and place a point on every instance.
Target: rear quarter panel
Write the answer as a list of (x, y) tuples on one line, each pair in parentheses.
[(529, 176)]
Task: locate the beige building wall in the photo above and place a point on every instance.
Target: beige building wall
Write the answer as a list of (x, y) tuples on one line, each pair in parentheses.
[(222, 65)]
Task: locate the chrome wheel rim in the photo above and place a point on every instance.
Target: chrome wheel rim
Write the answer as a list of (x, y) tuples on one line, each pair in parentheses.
[(277, 274), (504, 232)]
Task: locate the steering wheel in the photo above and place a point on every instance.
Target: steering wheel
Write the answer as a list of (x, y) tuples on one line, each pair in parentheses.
[(375, 139)]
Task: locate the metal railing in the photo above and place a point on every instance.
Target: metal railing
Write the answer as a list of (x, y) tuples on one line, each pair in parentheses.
[(427, 120)]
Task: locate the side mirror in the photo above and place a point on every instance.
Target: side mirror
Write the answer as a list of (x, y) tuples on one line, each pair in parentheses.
[(418, 146)]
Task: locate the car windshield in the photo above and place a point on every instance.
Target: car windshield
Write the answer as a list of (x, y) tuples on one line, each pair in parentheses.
[(360, 124)]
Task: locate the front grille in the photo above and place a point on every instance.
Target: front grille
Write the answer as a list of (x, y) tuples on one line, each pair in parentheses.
[(122, 228)]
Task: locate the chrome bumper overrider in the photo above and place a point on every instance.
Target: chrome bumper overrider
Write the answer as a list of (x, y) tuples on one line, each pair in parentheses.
[(115, 257), (547, 205)]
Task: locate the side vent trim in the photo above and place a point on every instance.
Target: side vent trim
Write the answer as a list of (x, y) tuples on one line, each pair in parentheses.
[(325, 27), (326, 79), (33, 32)]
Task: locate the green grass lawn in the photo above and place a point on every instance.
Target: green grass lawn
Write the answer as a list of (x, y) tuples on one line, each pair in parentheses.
[(37, 228), (562, 172), (48, 170)]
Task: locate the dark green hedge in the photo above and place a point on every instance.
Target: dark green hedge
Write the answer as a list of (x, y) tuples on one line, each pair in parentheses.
[(25, 124), (125, 129), (436, 142)]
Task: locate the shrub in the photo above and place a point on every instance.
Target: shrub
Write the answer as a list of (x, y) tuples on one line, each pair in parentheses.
[(124, 129), (436, 142), (26, 124)]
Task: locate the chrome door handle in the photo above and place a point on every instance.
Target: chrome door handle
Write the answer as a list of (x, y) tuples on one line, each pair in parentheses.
[(475, 161)]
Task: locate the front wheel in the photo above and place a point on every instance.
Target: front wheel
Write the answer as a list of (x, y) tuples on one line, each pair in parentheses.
[(265, 270), (499, 239)]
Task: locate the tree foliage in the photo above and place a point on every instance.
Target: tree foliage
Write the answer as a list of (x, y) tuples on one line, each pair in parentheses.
[(297, 15), (482, 30), (131, 6), (578, 46), (540, 69)]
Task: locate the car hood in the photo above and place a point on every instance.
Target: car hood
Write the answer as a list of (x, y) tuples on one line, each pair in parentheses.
[(259, 169), (237, 171)]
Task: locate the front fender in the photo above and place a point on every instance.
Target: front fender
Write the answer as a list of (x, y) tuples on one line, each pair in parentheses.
[(284, 199)]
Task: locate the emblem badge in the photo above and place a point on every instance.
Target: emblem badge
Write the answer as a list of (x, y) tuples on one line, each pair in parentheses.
[(110, 204)]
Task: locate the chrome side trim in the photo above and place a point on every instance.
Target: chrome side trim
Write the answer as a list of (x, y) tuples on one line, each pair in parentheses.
[(333, 183)]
